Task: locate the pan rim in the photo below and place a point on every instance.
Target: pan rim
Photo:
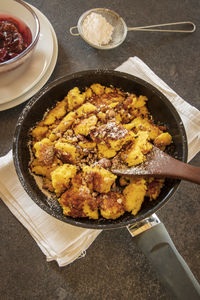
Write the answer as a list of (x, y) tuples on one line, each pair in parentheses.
[(84, 224)]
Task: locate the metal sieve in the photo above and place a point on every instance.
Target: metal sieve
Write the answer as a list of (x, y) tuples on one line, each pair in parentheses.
[(120, 29)]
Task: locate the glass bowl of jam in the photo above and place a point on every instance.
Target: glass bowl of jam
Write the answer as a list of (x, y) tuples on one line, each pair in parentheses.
[(19, 34)]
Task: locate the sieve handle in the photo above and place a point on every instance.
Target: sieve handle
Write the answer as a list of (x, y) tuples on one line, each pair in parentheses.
[(149, 28), (72, 29)]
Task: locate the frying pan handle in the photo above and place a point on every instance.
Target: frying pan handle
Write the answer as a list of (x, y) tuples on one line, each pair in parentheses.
[(153, 239)]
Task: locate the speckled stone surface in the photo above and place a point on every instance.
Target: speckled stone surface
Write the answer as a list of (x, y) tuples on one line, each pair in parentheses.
[(113, 268)]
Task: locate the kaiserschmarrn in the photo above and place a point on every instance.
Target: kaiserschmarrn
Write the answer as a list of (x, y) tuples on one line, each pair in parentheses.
[(74, 145)]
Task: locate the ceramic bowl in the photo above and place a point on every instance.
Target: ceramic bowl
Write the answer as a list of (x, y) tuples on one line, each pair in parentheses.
[(23, 16)]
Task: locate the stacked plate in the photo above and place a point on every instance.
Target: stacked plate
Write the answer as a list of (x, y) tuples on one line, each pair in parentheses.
[(28, 80)]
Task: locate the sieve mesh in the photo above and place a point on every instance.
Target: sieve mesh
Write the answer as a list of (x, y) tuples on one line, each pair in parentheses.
[(119, 31)]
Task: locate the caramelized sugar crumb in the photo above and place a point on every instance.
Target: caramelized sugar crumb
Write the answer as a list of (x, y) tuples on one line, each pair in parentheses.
[(77, 142)]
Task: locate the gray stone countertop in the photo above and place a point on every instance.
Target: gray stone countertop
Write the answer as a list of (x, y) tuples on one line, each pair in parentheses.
[(113, 268)]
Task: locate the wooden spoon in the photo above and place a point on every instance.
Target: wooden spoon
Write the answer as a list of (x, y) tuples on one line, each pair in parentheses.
[(160, 164)]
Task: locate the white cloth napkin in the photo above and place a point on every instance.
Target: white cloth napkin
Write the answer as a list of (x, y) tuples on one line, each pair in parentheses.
[(60, 241)]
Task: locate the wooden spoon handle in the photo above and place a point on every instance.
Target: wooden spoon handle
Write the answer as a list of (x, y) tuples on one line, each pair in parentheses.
[(178, 169)]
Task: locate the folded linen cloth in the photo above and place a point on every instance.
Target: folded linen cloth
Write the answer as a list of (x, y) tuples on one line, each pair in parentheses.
[(60, 241)]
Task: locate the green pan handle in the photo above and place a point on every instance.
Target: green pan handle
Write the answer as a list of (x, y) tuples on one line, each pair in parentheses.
[(153, 239)]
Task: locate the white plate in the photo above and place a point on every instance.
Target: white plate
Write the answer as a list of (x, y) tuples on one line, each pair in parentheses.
[(21, 80)]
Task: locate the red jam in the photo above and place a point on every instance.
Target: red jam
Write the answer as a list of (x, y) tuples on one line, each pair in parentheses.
[(15, 37)]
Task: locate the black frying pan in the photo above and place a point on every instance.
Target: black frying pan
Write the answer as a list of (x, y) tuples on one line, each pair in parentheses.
[(159, 106), (163, 112)]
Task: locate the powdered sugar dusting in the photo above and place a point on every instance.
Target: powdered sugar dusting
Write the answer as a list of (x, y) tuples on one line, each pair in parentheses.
[(97, 30), (156, 163)]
